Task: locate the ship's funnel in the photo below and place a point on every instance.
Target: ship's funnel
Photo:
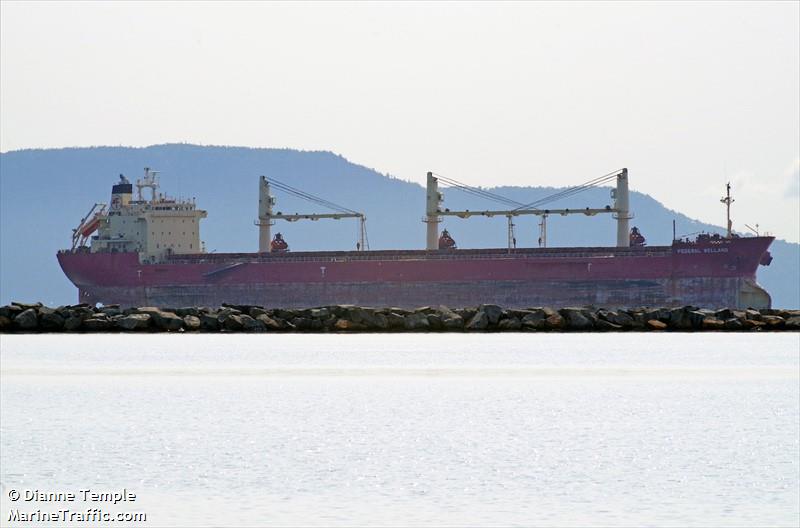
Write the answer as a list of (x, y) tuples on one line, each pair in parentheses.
[(121, 193)]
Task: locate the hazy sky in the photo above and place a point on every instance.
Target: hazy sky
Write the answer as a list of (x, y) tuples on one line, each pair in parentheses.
[(686, 95)]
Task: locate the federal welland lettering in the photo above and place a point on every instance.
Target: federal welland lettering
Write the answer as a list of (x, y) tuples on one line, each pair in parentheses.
[(689, 251)]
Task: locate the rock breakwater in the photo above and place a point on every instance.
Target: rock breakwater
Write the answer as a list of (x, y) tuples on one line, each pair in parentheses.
[(21, 317)]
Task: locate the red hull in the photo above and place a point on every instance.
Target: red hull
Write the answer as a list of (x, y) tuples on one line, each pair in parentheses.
[(717, 272)]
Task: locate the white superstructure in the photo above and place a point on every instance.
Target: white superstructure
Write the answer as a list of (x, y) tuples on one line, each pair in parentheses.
[(154, 227)]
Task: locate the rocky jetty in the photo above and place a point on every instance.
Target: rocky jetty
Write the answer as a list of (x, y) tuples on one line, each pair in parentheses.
[(81, 318)]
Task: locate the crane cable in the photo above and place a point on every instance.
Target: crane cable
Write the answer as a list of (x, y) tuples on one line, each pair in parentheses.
[(571, 191), (475, 191)]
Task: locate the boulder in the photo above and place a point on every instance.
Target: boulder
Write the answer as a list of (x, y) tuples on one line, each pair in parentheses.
[(395, 320), (268, 322), (27, 306), (712, 323), (734, 324), (209, 322), (724, 314), (340, 310), (72, 323), (99, 323), (466, 313), (147, 309), (238, 309), (792, 323), (679, 319), (416, 322), (302, 323), (754, 315), (773, 322), (134, 321), (605, 326), (188, 310), (227, 311), (231, 322), (255, 311), (26, 320), (251, 325), (621, 319), (320, 313), (10, 311), (111, 310), (749, 324), (493, 312), (479, 321), (5, 323), (379, 322), (510, 324), (51, 321), (345, 325), (369, 318), (549, 311), (659, 314), (357, 314), (655, 324), (555, 322), (166, 321), (535, 320), (696, 318), (576, 319), (82, 312), (452, 321), (192, 323), (434, 321)]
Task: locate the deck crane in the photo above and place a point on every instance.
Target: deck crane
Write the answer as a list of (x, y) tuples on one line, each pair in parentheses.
[(266, 216), (621, 209)]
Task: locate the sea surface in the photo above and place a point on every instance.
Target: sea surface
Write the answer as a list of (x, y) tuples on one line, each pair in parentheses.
[(411, 429)]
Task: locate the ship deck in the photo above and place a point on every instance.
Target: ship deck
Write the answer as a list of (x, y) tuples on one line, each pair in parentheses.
[(417, 254)]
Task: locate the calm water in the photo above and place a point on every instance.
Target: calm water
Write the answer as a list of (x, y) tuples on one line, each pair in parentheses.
[(553, 430)]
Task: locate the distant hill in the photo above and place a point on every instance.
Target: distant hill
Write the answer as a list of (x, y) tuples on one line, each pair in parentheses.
[(44, 193)]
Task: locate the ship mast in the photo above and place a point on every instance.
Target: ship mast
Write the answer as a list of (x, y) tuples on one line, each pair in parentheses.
[(543, 231), (150, 181), (264, 222), (727, 200), (433, 199), (512, 238)]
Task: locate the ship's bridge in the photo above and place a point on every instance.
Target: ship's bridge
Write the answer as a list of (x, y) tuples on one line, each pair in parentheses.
[(154, 227)]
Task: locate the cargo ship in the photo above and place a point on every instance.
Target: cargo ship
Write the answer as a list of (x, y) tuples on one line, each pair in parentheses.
[(146, 250)]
